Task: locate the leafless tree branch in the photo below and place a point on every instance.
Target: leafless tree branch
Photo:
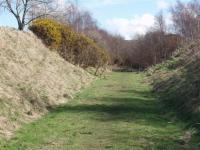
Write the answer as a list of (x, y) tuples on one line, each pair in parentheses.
[(21, 10)]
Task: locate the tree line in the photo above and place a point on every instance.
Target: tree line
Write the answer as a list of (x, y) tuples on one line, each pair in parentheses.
[(159, 43)]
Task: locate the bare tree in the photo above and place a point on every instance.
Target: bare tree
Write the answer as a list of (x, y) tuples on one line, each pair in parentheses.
[(70, 14), (76, 17), (160, 24), (186, 18), (21, 8), (86, 21)]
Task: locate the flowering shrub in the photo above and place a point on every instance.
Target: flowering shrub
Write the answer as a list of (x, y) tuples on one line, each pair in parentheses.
[(73, 47)]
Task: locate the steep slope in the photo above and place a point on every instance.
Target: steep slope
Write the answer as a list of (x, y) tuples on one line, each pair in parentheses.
[(32, 79), (178, 82)]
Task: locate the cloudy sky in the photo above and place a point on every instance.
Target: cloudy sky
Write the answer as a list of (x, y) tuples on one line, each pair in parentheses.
[(125, 17)]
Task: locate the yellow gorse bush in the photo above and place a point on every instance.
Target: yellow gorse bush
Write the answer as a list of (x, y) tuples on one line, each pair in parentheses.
[(73, 47), (48, 30)]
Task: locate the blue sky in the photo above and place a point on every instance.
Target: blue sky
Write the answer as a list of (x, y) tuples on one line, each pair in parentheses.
[(125, 17)]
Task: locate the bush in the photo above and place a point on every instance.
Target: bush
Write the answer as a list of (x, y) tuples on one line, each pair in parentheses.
[(68, 42), (87, 53), (48, 30), (73, 47)]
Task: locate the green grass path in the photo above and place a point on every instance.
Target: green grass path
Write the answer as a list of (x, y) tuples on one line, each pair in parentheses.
[(116, 113)]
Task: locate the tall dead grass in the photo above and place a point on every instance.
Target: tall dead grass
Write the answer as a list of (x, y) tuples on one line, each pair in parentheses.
[(32, 78)]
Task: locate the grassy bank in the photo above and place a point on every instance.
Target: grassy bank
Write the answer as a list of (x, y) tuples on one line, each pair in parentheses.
[(119, 112), (177, 82)]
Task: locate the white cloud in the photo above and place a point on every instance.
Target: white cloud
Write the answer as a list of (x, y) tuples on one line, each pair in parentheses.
[(131, 27), (162, 4)]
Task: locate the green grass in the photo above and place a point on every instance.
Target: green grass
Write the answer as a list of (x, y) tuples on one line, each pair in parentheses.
[(116, 113)]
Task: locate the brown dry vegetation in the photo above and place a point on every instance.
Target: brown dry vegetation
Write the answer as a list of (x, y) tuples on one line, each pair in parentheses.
[(32, 79)]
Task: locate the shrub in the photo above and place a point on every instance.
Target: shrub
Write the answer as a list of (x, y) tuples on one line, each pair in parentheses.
[(73, 47), (88, 53), (48, 30), (84, 48), (66, 48)]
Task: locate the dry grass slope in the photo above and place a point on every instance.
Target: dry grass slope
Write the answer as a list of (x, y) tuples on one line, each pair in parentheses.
[(32, 78)]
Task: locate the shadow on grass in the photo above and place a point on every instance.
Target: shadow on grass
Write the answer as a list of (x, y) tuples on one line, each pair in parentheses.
[(128, 69), (136, 110), (131, 111), (144, 94)]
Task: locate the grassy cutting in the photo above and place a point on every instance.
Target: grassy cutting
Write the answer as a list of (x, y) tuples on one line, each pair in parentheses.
[(117, 113)]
